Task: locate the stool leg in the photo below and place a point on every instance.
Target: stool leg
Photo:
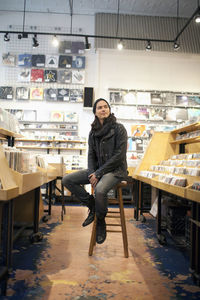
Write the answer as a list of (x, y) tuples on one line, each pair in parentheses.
[(93, 237), (123, 223)]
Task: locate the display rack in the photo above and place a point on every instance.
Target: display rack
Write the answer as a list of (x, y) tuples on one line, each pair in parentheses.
[(164, 146)]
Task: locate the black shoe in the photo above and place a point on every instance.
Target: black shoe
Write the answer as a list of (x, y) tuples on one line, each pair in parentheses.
[(101, 231), (90, 217)]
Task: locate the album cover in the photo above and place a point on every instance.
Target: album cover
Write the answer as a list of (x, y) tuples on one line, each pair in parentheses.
[(64, 76), (65, 47), (71, 117), (78, 48), (17, 112), (181, 100), (76, 95), (138, 130), (193, 100), (22, 93), (143, 98), (30, 115), (142, 113), (50, 94), (36, 94), (115, 97), (193, 114), (37, 75), (50, 75), (181, 114), (51, 61), (8, 59), (157, 113), (6, 92), (78, 77), (65, 61), (156, 98), (63, 94), (129, 97), (170, 99), (78, 62), (38, 60), (24, 75), (24, 60), (56, 116)]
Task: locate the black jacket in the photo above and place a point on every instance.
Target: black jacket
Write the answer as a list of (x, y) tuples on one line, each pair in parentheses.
[(108, 155)]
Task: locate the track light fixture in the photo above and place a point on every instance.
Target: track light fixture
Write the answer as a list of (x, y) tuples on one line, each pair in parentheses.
[(148, 47), (197, 18), (120, 45), (55, 41), (176, 45), (6, 37), (87, 44), (35, 41)]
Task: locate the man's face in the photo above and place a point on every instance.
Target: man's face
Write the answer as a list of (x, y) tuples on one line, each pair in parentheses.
[(102, 110)]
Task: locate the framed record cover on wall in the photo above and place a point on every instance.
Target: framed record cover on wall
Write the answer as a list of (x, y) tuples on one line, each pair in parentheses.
[(8, 59), (24, 75), (64, 76), (51, 61), (50, 94), (38, 60), (65, 61), (36, 93), (25, 60), (37, 75), (50, 75), (22, 93), (6, 92)]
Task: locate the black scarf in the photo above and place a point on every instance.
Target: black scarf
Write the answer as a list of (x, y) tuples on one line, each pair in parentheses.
[(100, 131)]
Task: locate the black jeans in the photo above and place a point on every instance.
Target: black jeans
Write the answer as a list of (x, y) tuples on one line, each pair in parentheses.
[(74, 183)]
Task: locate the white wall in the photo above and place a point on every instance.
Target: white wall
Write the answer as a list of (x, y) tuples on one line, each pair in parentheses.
[(105, 68)]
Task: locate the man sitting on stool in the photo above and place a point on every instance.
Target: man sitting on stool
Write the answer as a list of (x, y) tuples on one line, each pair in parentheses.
[(107, 166)]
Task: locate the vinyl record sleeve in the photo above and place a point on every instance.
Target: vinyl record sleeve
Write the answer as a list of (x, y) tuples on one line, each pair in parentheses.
[(71, 117), (65, 61), (64, 76), (6, 92), (78, 62), (38, 60), (78, 77), (37, 75), (25, 60), (78, 48), (24, 75), (65, 47), (22, 93), (36, 93), (51, 61), (76, 95), (63, 94), (8, 59), (57, 116), (50, 75), (116, 98), (50, 94)]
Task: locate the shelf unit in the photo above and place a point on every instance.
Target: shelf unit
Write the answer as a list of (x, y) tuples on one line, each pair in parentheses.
[(164, 146)]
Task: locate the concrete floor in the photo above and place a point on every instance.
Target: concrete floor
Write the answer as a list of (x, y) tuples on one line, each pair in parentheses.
[(59, 267)]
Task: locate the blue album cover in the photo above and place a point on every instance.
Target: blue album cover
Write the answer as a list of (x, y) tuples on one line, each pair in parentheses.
[(25, 60), (78, 62)]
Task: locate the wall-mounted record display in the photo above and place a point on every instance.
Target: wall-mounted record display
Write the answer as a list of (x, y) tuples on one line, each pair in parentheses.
[(22, 93), (6, 92)]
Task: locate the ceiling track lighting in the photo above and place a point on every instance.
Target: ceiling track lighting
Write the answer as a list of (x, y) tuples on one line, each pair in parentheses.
[(120, 45), (87, 44), (176, 46), (6, 37), (35, 41), (148, 47), (55, 41)]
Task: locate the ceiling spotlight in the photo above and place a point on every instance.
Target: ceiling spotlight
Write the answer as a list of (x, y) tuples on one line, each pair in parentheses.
[(6, 37), (197, 18), (87, 44), (55, 41), (35, 41), (120, 45), (176, 45), (148, 47)]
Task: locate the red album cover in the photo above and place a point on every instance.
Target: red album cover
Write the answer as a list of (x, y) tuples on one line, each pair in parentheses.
[(37, 75)]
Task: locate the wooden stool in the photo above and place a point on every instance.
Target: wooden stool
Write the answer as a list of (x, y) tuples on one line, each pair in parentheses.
[(113, 214)]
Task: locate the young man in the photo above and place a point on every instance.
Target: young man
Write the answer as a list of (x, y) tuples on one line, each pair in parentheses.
[(107, 165)]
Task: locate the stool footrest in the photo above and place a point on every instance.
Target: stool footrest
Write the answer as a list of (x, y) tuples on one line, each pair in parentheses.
[(113, 230), (113, 217), (113, 224)]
